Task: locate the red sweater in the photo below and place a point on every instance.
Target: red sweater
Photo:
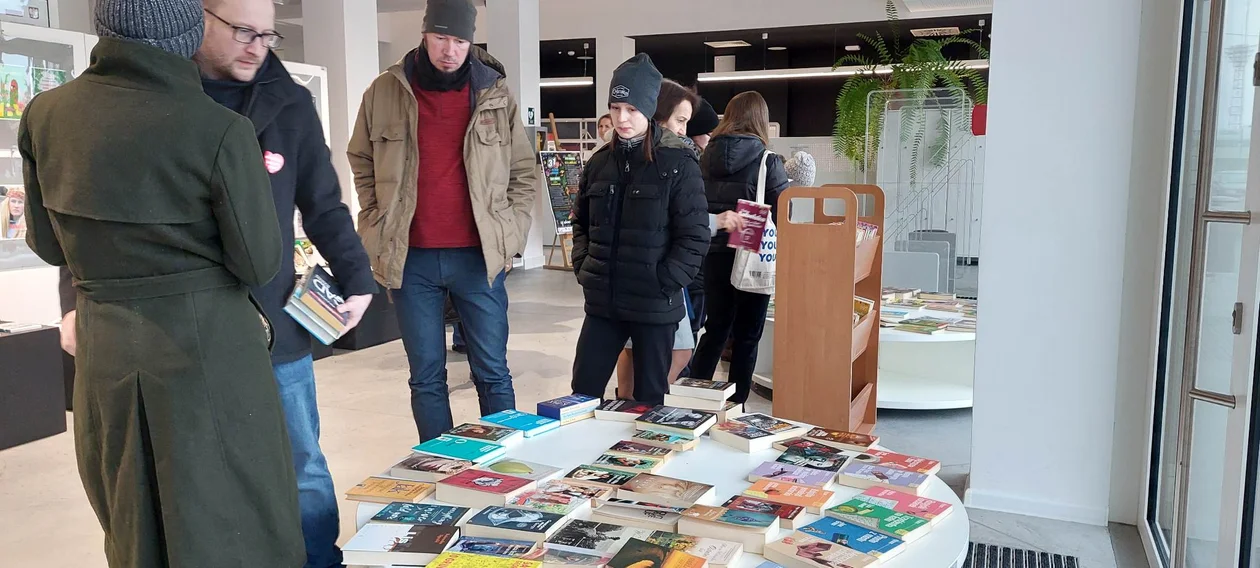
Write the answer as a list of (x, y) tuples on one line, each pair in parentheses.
[(444, 214)]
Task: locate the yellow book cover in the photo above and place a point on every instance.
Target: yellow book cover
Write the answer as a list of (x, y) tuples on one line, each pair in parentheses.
[(384, 490), (461, 560)]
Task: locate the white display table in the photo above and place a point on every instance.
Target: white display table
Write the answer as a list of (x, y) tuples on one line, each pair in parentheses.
[(916, 371), (727, 469)]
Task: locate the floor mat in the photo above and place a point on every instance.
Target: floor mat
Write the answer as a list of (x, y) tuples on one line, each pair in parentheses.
[(993, 556)]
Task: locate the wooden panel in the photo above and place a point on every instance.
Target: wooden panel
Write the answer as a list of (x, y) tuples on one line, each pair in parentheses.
[(821, 360)]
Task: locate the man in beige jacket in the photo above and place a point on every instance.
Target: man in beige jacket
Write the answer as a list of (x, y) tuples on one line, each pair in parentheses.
[(446, 177)]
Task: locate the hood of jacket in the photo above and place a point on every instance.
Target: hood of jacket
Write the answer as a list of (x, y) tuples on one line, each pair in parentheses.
[(485, 68), (729, 154), (661, 138)]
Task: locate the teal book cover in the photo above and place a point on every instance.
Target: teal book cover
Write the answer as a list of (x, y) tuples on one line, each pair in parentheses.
[(531, 424), (461, 449), (857, 538)]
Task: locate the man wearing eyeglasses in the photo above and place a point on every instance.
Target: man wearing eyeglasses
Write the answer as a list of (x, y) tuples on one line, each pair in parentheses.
[(240, 71)]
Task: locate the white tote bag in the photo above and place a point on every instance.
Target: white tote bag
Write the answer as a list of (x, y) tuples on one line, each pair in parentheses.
[(754, 271)]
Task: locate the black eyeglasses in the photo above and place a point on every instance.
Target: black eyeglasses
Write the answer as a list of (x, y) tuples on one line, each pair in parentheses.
[(270, 40)]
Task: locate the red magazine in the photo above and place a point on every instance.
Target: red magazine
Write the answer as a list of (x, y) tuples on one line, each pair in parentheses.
[(755, 216), (486, 481)]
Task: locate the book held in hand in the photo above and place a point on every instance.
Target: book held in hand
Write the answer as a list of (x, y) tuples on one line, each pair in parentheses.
[(384, 490), (383, 544), (755, 216), (314, 303), (513, 524), (461, 449), (421, 514)]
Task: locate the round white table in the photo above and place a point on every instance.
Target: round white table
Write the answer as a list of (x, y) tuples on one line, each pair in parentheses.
[(727, 469), (916, 371)]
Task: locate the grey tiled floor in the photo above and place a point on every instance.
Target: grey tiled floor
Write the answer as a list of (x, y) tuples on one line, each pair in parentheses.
[(366, 425)]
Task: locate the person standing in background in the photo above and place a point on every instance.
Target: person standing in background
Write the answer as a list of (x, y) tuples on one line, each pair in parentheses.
[(674, 106), (639, 237), (731, 167), (446, 178), (603, 127), (702, 123), (179, 430)]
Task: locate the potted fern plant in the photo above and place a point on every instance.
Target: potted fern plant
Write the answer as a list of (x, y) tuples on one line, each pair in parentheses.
[(913, 70)]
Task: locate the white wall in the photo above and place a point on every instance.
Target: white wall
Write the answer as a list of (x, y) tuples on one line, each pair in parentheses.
[(30, 295), (1053, 277), (1146, 225)]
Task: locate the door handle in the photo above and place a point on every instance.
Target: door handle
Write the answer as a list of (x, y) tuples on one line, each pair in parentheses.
[(1237, 318)]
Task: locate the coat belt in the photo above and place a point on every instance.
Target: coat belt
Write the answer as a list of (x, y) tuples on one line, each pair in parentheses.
[(122, 289)]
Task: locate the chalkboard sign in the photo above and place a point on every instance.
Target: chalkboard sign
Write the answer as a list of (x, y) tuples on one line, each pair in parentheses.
[(562, 172)]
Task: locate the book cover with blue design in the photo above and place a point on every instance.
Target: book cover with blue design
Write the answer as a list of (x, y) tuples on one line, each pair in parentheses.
[(461, 449), (531, 424), (421, 514), (853, 537)]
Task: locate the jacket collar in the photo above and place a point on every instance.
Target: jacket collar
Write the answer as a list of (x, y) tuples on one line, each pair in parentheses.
[(138, 66), (486, 70), (659, 138), (274, 90)]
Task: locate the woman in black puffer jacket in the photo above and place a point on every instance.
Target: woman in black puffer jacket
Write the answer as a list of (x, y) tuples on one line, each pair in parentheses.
[(730, 166), (640, 234)]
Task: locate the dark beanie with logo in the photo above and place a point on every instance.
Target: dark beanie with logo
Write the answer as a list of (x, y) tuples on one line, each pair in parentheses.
[(638, 83), (456, 18)]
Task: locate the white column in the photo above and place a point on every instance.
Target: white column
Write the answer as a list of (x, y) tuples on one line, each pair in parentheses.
[(513, 35), (1056, 210), (610, 51), (341, 35)]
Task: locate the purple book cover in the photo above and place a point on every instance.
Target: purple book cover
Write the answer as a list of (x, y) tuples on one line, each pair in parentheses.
[(793, 474), (755, 216)]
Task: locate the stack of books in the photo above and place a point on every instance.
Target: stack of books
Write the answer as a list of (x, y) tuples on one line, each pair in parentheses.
[(569, 409), (699, 394), (465, 449), (314, 305), (924, 325), (866, 232), (889, 294), (531, 424), (683, 422), (755, 432)]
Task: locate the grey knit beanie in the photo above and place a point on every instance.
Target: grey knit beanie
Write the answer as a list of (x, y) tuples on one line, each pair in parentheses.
[(174, 26), (801, 169)]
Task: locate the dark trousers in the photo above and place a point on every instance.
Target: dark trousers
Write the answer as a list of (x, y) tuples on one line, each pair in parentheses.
[(428, 276), (603, 339), (731, 313)]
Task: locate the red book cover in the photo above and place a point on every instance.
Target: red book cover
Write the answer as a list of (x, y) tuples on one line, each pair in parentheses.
[(755, 216), (908, 463), (487, 481)]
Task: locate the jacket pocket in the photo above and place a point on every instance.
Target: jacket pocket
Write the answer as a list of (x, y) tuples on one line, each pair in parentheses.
[(600, 197), (389, 158), (492, 128), (644, 208)]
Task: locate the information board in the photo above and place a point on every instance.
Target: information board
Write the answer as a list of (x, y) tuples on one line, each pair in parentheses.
[(562, 172)]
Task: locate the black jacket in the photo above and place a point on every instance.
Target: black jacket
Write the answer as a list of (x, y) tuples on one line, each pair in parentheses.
[(730, 165), (292, 137), (641, 230)]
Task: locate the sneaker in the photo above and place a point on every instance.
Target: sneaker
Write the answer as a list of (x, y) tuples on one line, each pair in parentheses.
[(461, 349)]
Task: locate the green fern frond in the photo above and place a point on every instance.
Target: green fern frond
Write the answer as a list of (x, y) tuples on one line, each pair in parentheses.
[(880, 46), (981, 52), (854, 60)]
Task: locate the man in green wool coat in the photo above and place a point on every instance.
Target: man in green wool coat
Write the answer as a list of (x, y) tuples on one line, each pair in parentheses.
[(158, 201)]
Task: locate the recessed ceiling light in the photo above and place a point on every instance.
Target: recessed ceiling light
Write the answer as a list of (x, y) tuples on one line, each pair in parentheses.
[(572, 53), (936, 32), (728, 44), (777, 48), (853, 48)]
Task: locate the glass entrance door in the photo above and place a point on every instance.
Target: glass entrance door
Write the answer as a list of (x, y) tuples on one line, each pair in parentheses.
[(1199, 498)]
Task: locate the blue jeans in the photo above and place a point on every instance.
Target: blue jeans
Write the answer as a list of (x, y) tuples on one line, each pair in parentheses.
[(316, 497), (428, 276)]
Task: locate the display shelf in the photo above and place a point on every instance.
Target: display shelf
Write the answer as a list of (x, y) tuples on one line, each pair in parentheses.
[(727, 470), (889, 335), (902, 391), (821, 268)]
